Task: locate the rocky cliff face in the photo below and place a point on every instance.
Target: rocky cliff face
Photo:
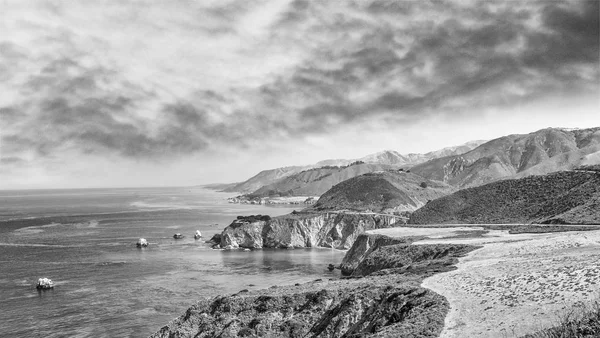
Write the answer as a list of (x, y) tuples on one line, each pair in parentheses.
[(364, 245), (331, 230)]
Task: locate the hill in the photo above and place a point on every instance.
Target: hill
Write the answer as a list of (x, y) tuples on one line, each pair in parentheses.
[(316, 181), (569, 197), (389, 191), (513, 156), (263, 178), (392, 157), (387, 157)]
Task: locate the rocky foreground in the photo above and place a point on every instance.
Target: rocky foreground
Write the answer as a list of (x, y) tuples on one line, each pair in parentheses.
[(383, 299)]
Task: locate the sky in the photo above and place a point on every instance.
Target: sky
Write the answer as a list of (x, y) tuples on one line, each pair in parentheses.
[(101, 93)]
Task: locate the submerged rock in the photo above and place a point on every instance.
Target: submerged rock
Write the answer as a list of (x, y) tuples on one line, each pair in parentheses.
[(142, 243), (44, 284)]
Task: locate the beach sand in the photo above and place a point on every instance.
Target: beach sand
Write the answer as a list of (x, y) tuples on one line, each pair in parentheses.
[(515, 284)]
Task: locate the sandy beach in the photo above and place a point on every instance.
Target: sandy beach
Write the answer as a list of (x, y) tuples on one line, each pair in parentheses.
[(515, 284)]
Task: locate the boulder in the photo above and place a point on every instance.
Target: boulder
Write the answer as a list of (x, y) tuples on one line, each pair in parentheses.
[(44, 284), (142, 243), (198, 234), (178, 236)]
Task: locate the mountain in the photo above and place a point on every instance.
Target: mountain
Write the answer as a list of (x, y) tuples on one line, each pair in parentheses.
[(263, 178), (387, 157), (541, 152), (392, 157), (388, 191), (316, 181), (571, 197)]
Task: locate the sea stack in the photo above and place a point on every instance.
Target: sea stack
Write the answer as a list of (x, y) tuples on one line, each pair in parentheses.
[(44, 284), (142, 243)]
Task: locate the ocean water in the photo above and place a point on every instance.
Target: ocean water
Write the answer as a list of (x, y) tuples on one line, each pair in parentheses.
[(84, 240)]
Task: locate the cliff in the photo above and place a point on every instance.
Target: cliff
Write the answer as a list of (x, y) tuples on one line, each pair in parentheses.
[(332, 230), (569, 197), (378, 303)]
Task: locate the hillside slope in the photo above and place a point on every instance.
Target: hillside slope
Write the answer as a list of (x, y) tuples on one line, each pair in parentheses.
[(541, 152), (389, 191), (387, 157), (315, 181), (263, 178), (571, 197), (392, 157)]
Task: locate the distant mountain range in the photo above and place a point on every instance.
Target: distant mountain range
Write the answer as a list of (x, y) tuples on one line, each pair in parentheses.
[(269, 179), (541, 152)]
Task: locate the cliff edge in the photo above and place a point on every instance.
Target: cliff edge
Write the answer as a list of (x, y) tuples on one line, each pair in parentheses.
[(303, 230)]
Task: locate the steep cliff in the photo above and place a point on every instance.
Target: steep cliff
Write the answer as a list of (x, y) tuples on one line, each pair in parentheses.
[(363, 246), (332, 230)]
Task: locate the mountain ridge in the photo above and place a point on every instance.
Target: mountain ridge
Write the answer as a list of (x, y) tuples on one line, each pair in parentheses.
[(516, 155)]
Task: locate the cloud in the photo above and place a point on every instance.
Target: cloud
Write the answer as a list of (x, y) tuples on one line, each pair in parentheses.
[(172, 79)]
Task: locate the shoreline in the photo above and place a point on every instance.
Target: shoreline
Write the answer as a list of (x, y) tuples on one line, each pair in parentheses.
[(518, 286), (498, 288)]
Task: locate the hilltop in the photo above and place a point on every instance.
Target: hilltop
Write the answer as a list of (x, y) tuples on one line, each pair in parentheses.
[(315, 181), (569, 197), (387, 191), (513, 156), (386, 157)]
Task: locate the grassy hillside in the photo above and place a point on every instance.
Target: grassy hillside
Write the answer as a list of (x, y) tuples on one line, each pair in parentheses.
[(513, 156), (387, 191), (315, 181), (262, 178), (570, 197)]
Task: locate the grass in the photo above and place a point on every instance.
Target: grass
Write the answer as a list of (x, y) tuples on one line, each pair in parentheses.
[(579, 322)]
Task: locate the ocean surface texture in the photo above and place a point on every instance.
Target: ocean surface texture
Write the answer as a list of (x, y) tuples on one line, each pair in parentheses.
[(84, 240)]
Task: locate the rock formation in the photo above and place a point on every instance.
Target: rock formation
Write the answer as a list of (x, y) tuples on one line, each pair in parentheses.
[(142, 243), (331, 230), (44, 284)]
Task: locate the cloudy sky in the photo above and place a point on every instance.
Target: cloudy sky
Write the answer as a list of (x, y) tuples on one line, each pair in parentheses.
[(106, 93)]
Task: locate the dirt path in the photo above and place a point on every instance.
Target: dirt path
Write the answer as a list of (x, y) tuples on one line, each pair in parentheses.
[(517, 284)]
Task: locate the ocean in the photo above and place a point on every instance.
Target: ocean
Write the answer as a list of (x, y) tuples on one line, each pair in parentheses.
[(84, 240)]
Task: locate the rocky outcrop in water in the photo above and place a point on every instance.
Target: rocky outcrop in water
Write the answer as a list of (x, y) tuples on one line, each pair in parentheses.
[(331, 230)]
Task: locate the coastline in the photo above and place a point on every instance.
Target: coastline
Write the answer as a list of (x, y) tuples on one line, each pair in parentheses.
[(483, 282), (381, 298), (517, 284)]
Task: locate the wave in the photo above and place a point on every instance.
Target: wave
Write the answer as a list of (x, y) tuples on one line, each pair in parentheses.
[(146, 205), (40, 245)]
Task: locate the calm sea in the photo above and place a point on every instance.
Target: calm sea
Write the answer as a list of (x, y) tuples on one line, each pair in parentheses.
[(84, 240)]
